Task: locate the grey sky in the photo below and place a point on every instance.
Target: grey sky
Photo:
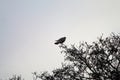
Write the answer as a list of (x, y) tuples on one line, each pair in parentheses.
[(28, 29)]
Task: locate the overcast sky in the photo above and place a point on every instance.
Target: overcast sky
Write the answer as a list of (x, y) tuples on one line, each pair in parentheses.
[(28, 29)]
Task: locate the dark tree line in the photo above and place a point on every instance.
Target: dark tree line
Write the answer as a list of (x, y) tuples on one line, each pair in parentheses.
[(97, 61), (16, 77)]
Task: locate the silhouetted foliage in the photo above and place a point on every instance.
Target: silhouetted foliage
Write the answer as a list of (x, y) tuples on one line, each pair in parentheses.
[(15, 77), (97, 61)]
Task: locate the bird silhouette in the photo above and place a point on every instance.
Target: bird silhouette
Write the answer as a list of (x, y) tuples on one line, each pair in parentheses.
[(60, 41)]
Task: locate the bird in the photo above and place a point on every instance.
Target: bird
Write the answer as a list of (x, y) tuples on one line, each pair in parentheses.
[(60, 41)]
